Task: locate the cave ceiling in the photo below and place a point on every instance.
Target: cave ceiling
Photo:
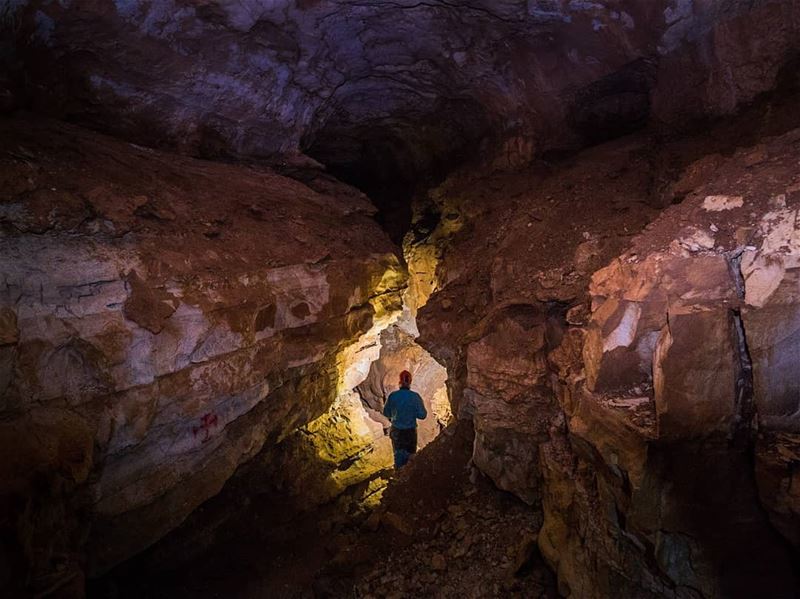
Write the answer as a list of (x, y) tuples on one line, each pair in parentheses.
[(417, 82)]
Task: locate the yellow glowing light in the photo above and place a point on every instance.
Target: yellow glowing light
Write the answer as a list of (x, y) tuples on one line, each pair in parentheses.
[(346, 437)]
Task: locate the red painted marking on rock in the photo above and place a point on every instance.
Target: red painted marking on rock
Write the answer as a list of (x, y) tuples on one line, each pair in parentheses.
[(207, 422)]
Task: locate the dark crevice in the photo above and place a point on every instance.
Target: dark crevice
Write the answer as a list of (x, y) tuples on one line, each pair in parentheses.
[(745, 410), (617, 104), (746, 423), (393, 158)]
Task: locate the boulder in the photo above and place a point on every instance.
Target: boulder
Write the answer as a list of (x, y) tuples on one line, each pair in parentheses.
[(771, 320), (695, 373), (509, 399)]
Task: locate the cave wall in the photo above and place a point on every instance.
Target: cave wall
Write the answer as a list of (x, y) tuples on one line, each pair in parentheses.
[(163, 319), (630, 368)]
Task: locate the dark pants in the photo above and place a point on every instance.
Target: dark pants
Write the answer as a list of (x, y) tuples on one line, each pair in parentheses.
[(404, 443)]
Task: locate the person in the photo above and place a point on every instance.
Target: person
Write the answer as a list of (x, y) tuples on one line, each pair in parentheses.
[(403, 408)]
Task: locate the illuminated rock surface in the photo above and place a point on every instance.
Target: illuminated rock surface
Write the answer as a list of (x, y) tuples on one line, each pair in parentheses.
[(151, 305), (631, 399), (581, 236)]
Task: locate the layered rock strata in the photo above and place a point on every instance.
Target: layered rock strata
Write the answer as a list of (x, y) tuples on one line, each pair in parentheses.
[(161, 320), (648, 401)]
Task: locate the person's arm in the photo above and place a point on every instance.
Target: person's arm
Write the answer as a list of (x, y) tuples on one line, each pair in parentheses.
[(388, 409), (422, 413)]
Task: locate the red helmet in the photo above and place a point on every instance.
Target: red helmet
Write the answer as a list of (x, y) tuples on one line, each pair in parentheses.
[(405, 379)]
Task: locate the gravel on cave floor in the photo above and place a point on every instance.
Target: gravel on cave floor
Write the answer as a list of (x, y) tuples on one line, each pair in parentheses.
[(442, 531)]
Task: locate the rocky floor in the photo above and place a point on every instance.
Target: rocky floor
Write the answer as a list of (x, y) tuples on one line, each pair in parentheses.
[(440, 531), (482, 545)]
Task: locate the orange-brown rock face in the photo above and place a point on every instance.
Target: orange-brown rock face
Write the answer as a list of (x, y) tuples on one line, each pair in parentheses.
[(621, 327), (634, 377), (167, 317)]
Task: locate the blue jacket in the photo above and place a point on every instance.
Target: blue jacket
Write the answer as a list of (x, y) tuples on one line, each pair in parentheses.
[(403, 408)]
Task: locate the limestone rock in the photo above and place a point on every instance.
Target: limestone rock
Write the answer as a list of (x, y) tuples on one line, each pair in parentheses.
[(696, 240), (632, 303), (311, 75), (184, 345), (770, 320), (705, 335), (636, 425), (719, 203), (510, 402), (695, 382), (9, 334), (147, 307)]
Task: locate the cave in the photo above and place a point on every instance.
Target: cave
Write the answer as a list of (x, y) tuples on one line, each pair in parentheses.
[(227, 227)]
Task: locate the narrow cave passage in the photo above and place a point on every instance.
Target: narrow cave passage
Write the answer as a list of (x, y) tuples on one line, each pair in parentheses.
[(373, 365), (324, 509), (394, 161), (353, 435), (397, 157), (578, 226)]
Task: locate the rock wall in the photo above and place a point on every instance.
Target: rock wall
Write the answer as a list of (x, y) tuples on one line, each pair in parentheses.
[(162, 319), (631, 368)]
